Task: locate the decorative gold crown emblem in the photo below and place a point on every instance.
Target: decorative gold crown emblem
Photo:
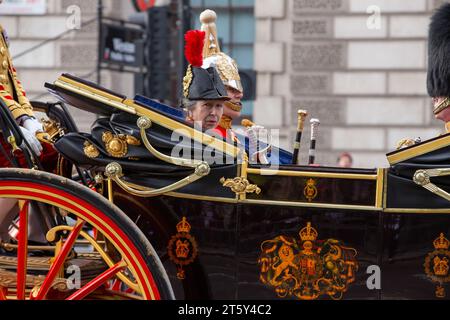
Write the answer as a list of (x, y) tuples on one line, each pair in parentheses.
[(308, 233), (183, 226), (441, 242)]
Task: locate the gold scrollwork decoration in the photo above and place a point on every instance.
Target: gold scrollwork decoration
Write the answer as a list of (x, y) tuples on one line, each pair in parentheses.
[(437, 265), (240, 185), (8, 279), (307, 268), (52, 234)]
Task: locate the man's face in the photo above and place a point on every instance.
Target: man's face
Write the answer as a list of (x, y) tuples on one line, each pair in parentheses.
[(236, 97), (208, 113), (444, 115)]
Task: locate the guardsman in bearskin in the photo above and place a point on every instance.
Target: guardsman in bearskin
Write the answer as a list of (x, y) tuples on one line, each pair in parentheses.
[(227, 69), (439, 64), (438, 79), (204, 92)]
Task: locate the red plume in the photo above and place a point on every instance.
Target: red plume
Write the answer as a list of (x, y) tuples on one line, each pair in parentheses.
[(193, 51)]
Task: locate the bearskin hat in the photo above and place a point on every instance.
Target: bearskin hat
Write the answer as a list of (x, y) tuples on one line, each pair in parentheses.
[(438, 79)]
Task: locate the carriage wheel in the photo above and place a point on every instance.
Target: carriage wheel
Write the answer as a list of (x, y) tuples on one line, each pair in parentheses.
[(98, 254)]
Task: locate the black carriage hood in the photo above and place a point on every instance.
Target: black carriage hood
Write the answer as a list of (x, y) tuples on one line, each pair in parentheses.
[(92, 151), (139, 165), (403, 192)]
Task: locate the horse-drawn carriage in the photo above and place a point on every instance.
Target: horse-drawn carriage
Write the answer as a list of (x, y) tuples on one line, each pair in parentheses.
[(147, 216)]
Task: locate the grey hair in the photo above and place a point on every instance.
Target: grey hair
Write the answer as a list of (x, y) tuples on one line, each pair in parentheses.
[(189, 104)]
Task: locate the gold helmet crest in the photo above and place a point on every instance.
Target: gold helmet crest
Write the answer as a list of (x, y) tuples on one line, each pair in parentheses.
[(213, 57)]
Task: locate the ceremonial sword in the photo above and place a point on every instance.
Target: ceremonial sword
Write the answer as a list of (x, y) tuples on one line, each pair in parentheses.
[(314, 131), (302, 114)]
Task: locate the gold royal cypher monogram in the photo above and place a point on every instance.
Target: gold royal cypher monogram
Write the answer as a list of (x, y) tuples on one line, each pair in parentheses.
[(437, 264)]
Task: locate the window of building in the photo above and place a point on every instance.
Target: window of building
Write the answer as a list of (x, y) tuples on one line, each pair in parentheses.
[(236, 31)]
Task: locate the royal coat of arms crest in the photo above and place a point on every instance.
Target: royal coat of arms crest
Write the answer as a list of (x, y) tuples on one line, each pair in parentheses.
[(307, 268)]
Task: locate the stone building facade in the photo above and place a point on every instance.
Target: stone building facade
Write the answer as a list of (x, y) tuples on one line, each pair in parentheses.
[(357, 65), (75, 53), (363, 77)]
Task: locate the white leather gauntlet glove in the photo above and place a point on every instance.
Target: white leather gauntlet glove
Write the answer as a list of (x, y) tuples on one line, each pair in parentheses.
[(32, 140), (33, 126)]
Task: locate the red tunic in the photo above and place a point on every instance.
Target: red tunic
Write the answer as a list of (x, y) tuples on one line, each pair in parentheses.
[(222, 131), (48, 158)]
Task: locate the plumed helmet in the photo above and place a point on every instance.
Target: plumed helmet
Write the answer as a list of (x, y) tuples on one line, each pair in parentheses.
[(213, 57)]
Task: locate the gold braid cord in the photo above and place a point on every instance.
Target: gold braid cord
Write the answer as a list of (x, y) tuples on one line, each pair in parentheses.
[(187, 81)]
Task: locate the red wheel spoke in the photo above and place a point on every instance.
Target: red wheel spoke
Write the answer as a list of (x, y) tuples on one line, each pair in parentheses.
[(116, 285), (123, 238), (22, 251), (98, 281), (59, 261), (3, 294)]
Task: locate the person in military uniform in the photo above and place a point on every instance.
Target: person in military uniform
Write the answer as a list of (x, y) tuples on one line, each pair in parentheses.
[(421, 169), (438, 82), (228, 71), (438, 77), (204, 92), (14, 97)]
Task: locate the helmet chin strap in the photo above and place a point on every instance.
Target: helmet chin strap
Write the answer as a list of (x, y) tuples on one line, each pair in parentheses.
[(233, 106), (225, 122), (442, 106)]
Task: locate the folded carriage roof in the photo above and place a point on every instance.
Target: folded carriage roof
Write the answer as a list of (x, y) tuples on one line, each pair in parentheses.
[(90, 97)]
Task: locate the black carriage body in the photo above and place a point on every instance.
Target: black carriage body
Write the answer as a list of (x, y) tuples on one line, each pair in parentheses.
[(310, 233)]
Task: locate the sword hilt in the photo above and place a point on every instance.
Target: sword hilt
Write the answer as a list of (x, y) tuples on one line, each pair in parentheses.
[(314, 134), (253, 131), (302, 114)]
